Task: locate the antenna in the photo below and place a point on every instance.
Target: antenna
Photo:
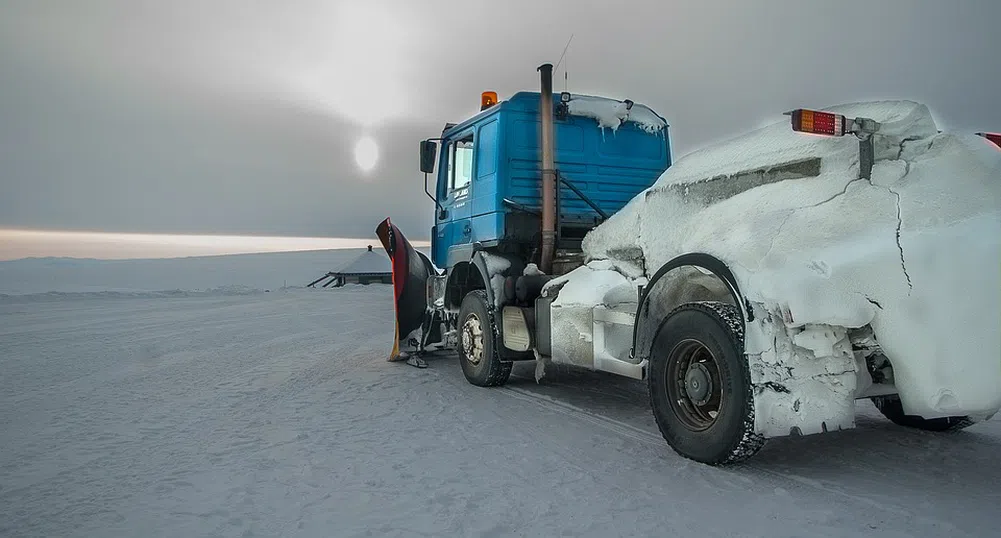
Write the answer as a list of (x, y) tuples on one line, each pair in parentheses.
[(561, 61), (565, 80)]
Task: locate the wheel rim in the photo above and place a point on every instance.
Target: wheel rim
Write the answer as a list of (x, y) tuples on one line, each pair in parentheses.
[(472, 339), (694, 385)]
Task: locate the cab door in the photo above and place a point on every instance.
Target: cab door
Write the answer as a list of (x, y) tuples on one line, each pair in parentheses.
[(452, 224)]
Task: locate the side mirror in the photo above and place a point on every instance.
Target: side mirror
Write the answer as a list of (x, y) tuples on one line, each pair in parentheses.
[(429, 150)]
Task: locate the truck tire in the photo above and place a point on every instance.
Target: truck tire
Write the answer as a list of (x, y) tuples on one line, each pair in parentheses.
[(700, 384), (892, 408), (478, 341)]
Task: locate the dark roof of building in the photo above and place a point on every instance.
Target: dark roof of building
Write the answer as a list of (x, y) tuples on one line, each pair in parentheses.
[(369, 263)]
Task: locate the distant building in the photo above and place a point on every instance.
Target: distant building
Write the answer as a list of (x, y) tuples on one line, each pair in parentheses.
[(369, 268)]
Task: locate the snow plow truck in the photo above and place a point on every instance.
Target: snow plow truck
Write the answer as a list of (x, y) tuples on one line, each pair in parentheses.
[(760, 286)]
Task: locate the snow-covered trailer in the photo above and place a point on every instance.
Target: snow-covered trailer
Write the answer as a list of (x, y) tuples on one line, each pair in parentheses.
[(770, 282)]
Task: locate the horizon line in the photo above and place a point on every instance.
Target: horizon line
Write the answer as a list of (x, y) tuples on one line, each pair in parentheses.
[(21, 243)]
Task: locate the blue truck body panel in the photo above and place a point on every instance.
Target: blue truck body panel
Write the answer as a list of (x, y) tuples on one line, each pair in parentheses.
[(503, 161)]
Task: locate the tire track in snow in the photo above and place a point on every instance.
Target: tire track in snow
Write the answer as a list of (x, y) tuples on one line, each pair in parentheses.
[(619, 427), (782, 477), (550, 403), (568, 465)]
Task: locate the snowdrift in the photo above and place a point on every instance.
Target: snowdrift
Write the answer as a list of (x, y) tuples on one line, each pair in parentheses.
[(912, 254)]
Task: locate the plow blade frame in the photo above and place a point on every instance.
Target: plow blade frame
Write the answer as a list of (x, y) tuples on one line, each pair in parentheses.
[(411, 271)]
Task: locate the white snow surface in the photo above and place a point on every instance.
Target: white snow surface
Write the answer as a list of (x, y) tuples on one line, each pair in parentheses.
[(611, 114), (496, 265), (532, 270), (276, 414), (593, 284), (914, 251)]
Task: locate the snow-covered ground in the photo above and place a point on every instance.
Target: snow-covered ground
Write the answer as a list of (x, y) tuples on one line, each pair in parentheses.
[(276, 414)]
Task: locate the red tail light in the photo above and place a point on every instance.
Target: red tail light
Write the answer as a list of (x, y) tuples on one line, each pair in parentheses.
[(815, 122)]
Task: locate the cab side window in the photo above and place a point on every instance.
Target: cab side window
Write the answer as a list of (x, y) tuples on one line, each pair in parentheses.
[(460, 165)]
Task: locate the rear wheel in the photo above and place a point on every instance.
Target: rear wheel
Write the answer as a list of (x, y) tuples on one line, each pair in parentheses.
[(478, 351), (893, 409), (700, 385)]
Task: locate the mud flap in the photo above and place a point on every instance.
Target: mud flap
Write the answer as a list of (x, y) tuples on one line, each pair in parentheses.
[(411, 271)]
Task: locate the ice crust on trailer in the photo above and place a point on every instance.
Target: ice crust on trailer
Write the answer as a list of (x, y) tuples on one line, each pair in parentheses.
[(611, 114), (913, 252)]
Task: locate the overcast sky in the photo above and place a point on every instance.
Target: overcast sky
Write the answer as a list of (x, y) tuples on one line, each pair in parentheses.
[(240, 117)]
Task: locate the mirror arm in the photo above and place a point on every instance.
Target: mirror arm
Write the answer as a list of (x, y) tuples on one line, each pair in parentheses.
[(433, 199), (441, 210)]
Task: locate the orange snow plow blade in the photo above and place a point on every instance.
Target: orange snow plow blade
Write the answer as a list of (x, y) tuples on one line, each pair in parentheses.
[(411, 270)]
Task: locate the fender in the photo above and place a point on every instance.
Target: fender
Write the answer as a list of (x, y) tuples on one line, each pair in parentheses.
[(648, 314), (473, 273)]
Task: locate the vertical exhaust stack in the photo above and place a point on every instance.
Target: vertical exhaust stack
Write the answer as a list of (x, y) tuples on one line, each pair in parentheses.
[(548, 170)]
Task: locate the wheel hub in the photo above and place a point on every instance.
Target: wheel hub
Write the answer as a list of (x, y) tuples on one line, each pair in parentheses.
[(472, 339), (698, 383), (694, 384)]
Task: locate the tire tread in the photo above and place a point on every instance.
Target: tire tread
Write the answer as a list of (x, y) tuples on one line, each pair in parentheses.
[(498, 372), (749, 443)]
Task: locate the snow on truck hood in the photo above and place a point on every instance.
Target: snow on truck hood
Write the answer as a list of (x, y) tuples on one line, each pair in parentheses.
[(915, 251)]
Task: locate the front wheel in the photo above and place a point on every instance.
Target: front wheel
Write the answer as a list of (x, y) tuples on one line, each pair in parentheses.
[(700, 385), (478, 352)]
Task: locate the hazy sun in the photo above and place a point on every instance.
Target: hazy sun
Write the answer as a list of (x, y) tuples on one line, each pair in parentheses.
[(366, 154)]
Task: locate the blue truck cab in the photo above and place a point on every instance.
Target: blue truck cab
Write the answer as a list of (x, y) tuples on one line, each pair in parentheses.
[(488, 188), (514, 185)]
